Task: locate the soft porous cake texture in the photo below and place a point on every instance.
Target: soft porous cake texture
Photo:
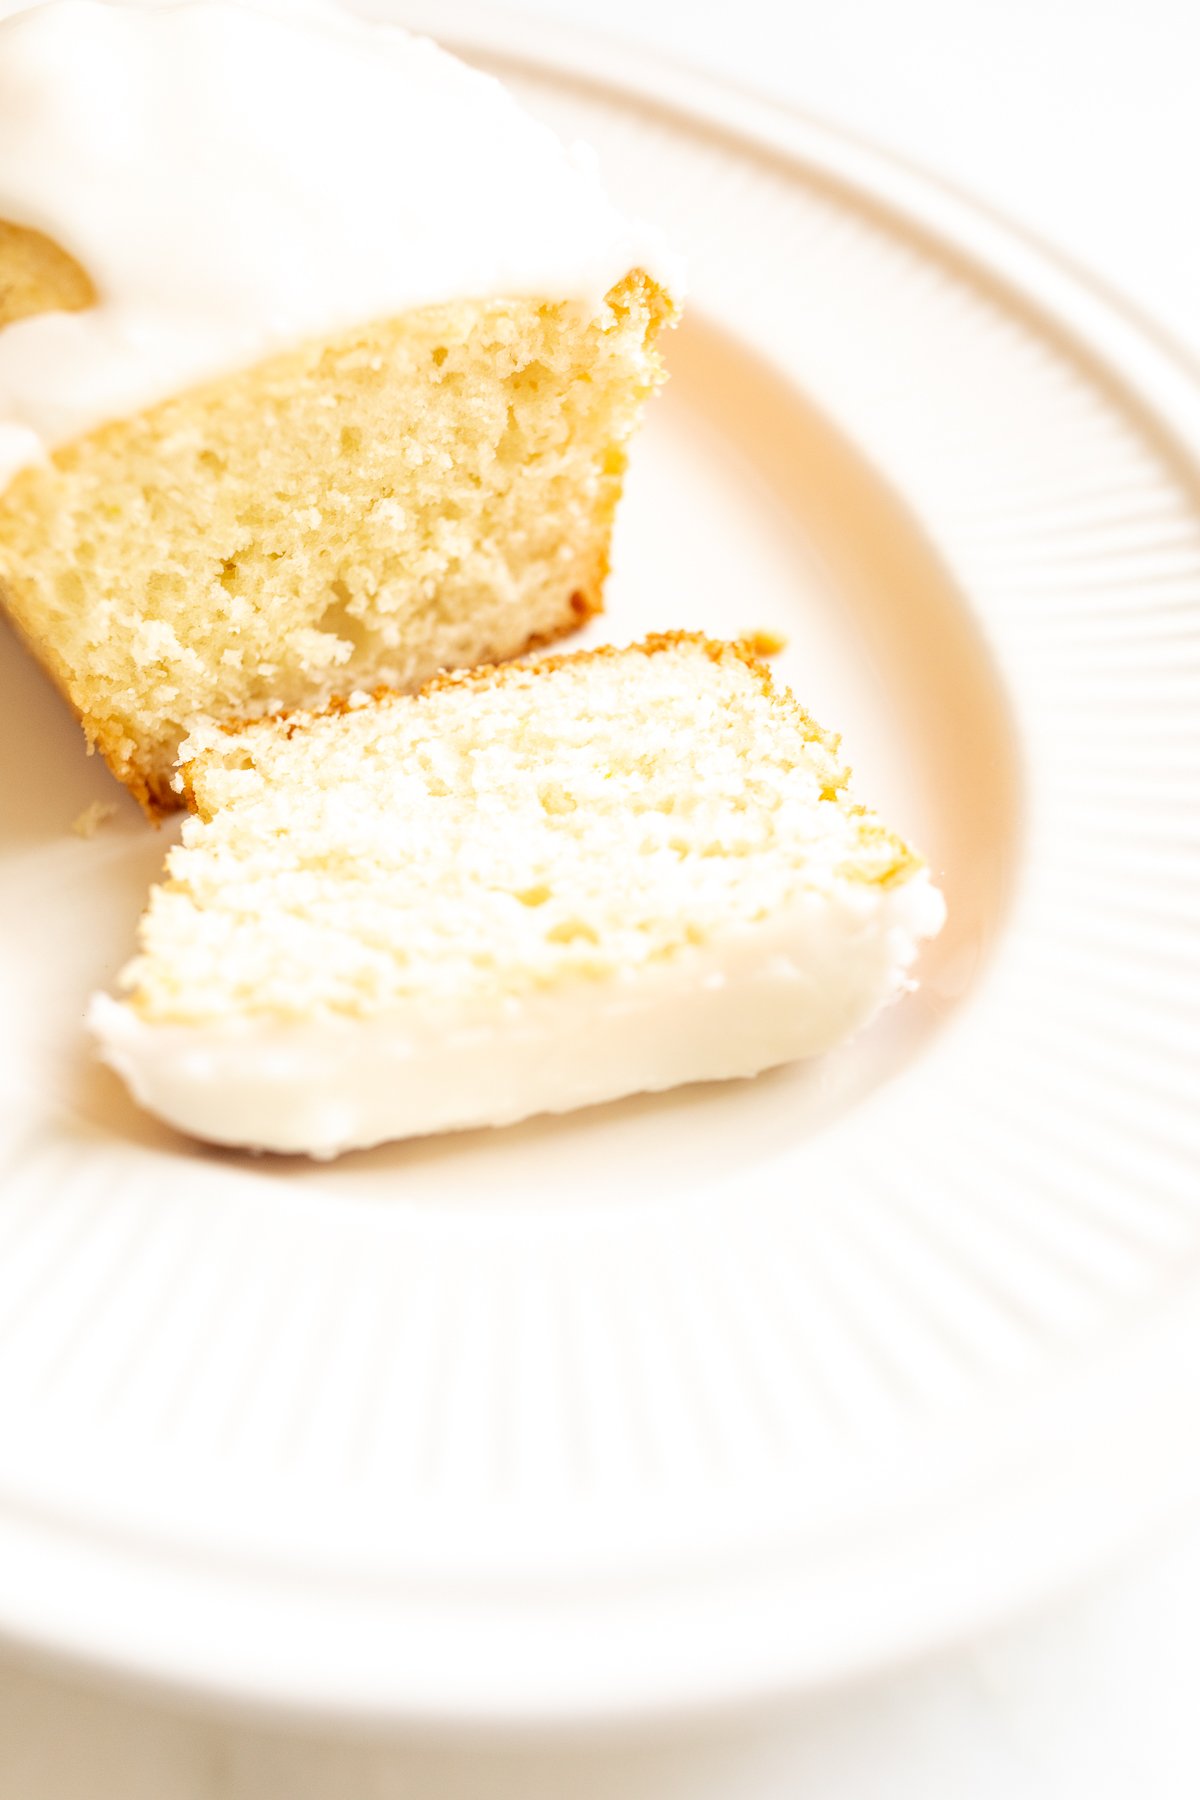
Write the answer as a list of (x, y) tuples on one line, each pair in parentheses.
[(426, 493), (522, 890), (318, 362)]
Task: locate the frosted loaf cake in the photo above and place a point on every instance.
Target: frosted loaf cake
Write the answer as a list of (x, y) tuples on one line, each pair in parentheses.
[(522, 890), (318, 359)]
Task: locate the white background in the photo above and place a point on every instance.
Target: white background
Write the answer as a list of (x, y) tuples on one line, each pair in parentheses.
[(1079, 118), (1083, 121)]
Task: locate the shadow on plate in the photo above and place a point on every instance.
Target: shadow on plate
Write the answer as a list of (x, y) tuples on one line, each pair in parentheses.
[(48, 777)]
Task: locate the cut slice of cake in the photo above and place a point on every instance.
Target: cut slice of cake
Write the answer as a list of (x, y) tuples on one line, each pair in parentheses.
[(318, 362), (523, 890)]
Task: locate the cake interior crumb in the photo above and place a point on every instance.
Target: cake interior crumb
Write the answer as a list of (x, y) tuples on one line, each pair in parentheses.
[(502, 833), (93, 817)]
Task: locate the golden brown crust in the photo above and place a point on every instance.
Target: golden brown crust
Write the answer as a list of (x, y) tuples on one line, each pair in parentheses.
[(38, 276), (765, 643), (151, 792)]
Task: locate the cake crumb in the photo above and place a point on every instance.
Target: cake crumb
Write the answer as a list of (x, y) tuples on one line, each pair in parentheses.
[(765, 643), (93, 817), (526, 888)]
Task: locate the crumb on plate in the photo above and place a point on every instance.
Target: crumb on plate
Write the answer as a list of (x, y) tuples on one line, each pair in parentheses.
[(765, 643), (93, 817)]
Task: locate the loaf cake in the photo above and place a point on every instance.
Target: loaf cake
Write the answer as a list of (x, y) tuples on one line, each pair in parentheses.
[(318, 362), (522, 890)]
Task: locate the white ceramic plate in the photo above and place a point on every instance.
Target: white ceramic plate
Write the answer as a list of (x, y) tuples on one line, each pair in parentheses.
[(694, 1398)]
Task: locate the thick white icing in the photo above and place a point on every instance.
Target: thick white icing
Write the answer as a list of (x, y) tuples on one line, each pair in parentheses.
[(239, 178), (791, 987)]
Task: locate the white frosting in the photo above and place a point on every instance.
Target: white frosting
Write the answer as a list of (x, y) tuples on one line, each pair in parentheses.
[(236, 180), (789, 988)]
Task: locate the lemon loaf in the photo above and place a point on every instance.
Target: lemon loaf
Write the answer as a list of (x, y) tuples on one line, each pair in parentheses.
[(318, 361), (522, 890)]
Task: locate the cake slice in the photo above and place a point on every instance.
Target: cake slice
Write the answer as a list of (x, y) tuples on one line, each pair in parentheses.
[(318, 362), (522, 890)]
